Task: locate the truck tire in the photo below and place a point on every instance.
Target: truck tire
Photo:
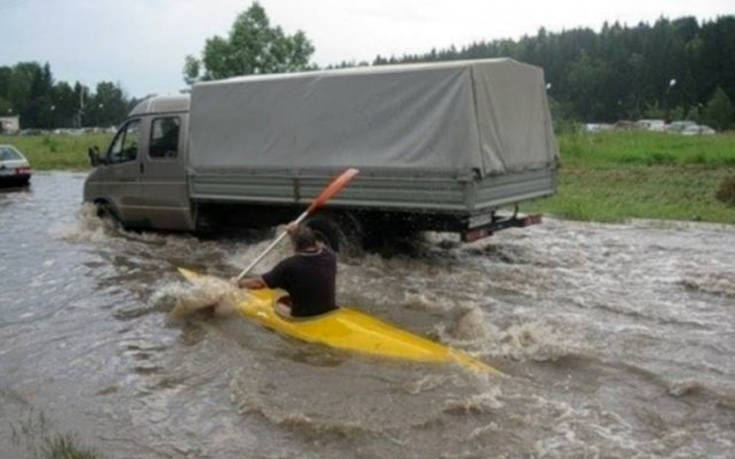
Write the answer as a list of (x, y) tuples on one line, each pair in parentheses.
[(106, 211)]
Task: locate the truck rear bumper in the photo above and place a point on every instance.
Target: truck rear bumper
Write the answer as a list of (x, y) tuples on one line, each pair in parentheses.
[(498, 224)]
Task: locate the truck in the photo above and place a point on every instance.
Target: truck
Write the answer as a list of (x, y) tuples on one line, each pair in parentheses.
[(450, 146)]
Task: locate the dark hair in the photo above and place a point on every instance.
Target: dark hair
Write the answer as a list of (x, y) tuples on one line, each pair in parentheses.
[(303, 238)]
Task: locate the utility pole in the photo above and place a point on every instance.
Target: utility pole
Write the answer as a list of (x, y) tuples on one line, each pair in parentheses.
[(672, 83), (80, 112)]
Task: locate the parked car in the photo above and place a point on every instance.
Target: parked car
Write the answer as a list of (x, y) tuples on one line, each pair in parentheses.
[(14, 167), (679, 126), (706, 130), (698, 130)]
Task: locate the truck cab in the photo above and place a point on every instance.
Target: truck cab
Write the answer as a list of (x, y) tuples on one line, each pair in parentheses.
[(140, 179)]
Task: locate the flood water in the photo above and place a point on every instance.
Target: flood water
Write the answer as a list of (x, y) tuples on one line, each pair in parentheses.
[(619, 340)]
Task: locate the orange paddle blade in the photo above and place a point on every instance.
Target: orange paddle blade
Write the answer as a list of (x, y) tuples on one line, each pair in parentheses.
[(335, 187)]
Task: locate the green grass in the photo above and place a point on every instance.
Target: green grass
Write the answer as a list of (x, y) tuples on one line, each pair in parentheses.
[(645, 148), (33, 434), (48, 152), (614, 176)]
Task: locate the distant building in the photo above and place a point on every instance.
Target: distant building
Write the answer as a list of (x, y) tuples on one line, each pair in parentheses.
[(10, 124)]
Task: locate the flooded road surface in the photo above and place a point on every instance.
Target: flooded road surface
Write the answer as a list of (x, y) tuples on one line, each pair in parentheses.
[(619, 340)]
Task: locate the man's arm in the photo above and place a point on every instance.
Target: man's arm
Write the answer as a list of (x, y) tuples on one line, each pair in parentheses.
[(272, 279), (252, 283)]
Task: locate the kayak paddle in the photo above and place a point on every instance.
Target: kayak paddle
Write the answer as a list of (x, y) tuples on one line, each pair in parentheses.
[(331, 190)]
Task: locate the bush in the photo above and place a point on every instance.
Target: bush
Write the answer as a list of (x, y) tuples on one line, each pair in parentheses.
[(719, 112), (50, 143), (726, 193)]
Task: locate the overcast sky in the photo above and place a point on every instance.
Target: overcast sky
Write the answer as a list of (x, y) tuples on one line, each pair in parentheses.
[(142, 43)]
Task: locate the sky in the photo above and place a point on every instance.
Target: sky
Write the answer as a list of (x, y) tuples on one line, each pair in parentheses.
[(141, 44)]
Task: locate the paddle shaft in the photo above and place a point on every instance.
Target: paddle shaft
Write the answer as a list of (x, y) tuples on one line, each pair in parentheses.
[(334, 187), (270, 247)]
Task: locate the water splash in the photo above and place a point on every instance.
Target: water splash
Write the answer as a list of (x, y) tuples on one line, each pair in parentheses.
[(483, 402), (87, 226), (185, 298), (524, 341)]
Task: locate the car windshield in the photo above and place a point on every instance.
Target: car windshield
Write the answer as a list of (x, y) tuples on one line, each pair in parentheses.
[(7, 154)]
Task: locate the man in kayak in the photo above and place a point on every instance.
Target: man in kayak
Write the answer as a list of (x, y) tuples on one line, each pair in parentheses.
[(308, 276)]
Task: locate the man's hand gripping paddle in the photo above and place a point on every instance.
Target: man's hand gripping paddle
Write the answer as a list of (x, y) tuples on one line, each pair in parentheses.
[(329, 192)]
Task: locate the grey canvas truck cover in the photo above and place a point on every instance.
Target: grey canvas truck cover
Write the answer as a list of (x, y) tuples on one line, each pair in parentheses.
[(488, 117)]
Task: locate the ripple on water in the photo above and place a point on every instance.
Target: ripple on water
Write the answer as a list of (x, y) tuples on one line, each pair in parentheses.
[(355, 399), (717, 283)]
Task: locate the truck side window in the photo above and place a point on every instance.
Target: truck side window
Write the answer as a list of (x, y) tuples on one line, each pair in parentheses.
[(164, 142), (125, 146)]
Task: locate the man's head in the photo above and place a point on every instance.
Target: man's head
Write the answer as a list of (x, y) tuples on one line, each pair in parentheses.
[(302, 238)]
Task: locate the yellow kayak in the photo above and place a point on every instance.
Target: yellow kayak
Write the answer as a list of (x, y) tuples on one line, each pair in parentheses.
[(349, 329)]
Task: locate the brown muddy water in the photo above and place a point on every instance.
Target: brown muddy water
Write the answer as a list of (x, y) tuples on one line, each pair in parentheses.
[(619, 340)]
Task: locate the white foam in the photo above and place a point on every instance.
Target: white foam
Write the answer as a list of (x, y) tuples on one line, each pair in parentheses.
[(477, 403), (189, 297), (86, 227)]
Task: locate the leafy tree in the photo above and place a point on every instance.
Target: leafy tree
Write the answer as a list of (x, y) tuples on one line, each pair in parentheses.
[(719, 112), (19, 91), (66, 105), (5, 107), (27, 89), (654, 111), (41, 105), (678, 113), (5, 74), (107, 106), (192, 68), (253, 46)]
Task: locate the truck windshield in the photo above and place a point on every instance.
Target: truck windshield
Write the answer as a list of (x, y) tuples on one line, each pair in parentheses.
[(125, 146)]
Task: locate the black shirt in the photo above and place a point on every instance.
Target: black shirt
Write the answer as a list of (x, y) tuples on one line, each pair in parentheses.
[(309, 278)]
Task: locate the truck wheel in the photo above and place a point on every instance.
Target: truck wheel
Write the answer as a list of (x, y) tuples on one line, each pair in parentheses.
[(105, 211)]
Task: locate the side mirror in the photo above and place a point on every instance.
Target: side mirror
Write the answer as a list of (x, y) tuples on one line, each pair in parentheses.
[(94, 156)]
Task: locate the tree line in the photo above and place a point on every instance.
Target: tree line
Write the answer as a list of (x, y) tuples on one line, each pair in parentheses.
[(28, 90), (671, 69)]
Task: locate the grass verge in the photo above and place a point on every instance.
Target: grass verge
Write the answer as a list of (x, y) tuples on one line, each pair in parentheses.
[(613, 176), (54, 152), (657, 192)]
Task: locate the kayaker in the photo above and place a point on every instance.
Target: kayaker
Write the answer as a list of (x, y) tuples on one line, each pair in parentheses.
[(308, 276)]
